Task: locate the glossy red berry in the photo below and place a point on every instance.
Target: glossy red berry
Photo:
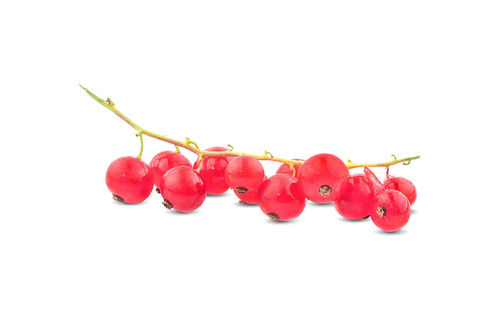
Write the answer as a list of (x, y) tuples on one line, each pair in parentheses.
[(402, 185), (213, 172), (353, 197), (390, 211), (281, 198), (244, 173), (285, 169), (164, 161), (319, 175), (130, 180), (182, 189)]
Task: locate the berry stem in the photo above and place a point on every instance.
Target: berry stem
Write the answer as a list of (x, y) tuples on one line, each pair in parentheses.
[(193, 147), (142, 146), (405, 161)]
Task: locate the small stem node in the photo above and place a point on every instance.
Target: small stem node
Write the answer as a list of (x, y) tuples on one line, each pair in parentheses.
[(267, 153), (109, 102), (190, 142)]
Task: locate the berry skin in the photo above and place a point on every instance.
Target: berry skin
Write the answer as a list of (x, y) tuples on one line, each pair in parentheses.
[(402, 185), (164, 161), (130, 180), (378, 186), (250, 197), (182, 189), (285, 169), (353, 197), (319, 175), (213, 172), (390, 211), (244, 174), (281, 198)]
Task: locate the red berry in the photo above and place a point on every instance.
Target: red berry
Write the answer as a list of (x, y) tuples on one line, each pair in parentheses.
[(164, 161), (182, 189), (319, 175), (402, 185), (285, 169), (213, 172), (244, 173), (130, 180), (281, 198), (353, 197), (390, 211)]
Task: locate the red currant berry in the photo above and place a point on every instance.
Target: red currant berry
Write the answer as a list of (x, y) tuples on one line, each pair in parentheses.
[(130, 180), (402, 185), (285, 169), (164, 161), (182, 189), (213, 172), (244, 173), (281, 198), (353, 197), (391, 210), (319, 175)]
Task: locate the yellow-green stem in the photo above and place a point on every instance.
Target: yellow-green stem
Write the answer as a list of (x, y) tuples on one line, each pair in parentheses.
[(142, 146), (193, 147), (405, 161)]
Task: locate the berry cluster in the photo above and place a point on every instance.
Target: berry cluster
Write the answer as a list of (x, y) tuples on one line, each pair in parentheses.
[(323, 178)]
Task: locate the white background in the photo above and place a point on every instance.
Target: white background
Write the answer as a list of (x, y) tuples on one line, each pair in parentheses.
[(359, 79)]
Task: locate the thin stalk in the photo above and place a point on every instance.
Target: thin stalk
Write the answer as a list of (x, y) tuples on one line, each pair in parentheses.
[(193, 147)]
